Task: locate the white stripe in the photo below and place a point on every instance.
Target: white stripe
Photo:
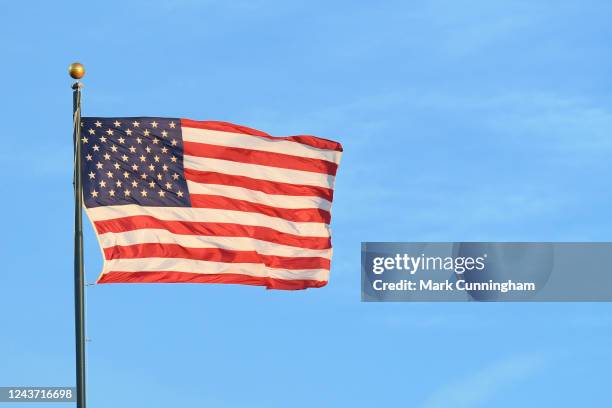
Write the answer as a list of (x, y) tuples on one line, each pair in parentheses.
[(254, 196), (160, 236), (306, 229), (259, 172), (230, 139), (209, 267)]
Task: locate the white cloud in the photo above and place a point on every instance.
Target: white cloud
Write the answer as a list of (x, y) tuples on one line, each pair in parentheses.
[(479, 387)]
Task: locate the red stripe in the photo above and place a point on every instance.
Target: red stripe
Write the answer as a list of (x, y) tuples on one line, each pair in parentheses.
[(211, 229), (184, 277), (307, 140), (214, 255), (289, 214), (265, 186), (237, 154)]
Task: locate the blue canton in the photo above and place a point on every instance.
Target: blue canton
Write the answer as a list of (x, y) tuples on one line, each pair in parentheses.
[(133, 161)]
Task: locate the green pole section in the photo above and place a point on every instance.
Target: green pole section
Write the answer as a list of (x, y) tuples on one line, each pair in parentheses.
[(79, 275)]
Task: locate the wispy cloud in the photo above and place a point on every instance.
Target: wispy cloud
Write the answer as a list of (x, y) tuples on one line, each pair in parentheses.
[(469, 27), (495, 157), (436, 321), (479, 387)]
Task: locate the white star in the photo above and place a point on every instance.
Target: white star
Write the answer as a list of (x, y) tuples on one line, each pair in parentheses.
[(164, 133), (84, 140), (98, 123), (175, 176), (99, 165), (126, 174), (94, 194), (155, 140), (143, 176), (143, 158), (102, 183), (111, 193), (92, 132), (127, 192), (139, 140), (179, 193), (116, 165), (134, 167), (121, 140), (156, 159), (165, 167), (159, 177), (109, 174), (143, 193), (92, 175), (103, 139), (154, 124), (128, 132), (96, 148), (173, 159), (136, 124), (151, 184), (118, 183), (162, 193), (151, 167), (168, 186), (109, 132), (173, 142), (172, 125), (132, 149), (146, 132), (164, 149), (107, 156), (124, 158), (148, 149), (88, 157), (114, 148), (134, 184)]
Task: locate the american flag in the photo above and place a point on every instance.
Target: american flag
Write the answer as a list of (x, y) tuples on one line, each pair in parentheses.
[(178, 200)]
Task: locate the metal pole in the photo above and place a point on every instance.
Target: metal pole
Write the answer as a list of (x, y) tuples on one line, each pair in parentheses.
[(77, 71)]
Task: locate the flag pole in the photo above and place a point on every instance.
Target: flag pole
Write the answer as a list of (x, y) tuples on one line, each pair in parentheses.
[(77, 71)]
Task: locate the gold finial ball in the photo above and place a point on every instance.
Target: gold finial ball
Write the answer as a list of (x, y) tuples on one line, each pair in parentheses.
[(76, 70)]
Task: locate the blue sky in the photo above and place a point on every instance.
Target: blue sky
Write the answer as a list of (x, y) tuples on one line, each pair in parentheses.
[(461, 120)]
